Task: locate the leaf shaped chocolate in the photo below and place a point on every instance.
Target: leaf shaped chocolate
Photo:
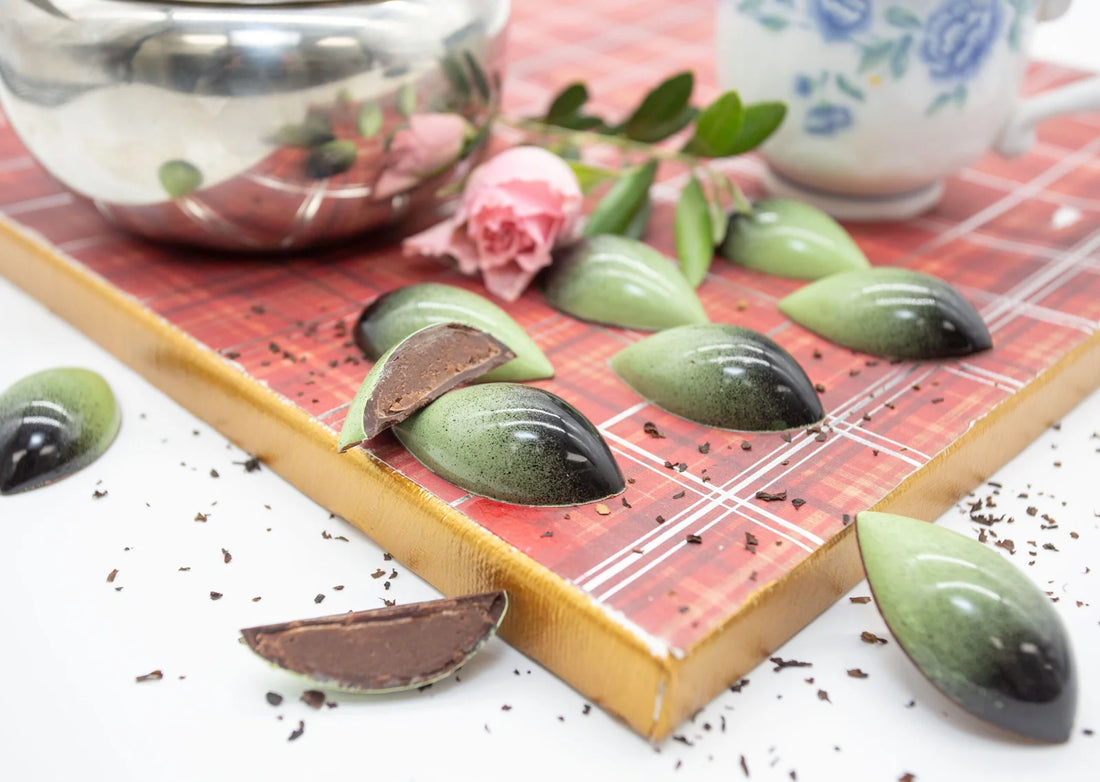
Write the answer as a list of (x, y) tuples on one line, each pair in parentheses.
[(621, 282), (513, 443), (395, 315), (721, 375), (53, 423), (890, 312), (386, 649), (973, 624), (790, 239), (417, 370)]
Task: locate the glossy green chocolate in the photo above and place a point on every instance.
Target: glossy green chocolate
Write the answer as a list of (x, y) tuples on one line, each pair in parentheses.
[(513, 443), (790, 239), (721, 375), (395, 315), (973, 624), (52, 423), (890, 312), (621, 282), (420, 368)]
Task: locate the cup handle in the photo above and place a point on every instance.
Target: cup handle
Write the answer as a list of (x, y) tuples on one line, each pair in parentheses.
[(1018, 134)]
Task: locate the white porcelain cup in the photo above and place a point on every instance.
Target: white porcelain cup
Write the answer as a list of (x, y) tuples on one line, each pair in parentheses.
[(886, 98)]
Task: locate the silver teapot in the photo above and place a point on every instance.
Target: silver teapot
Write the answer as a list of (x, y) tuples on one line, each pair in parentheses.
[(256, 124)]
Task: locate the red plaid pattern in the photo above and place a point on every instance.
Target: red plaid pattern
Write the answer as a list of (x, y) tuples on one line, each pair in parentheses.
[(1020, 238)]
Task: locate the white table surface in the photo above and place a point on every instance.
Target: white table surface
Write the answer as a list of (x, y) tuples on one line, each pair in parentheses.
[(72, 644)]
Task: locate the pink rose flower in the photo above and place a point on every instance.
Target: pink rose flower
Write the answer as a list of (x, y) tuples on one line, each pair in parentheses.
[(514, 209), (428, 144)]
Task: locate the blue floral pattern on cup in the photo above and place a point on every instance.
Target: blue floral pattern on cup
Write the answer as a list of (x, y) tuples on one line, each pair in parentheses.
[(838, 19), (826, 119), (958, 36), (951, 44)]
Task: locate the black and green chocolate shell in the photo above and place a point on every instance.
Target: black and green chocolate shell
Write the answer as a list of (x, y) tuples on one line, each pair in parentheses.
[(721, 375), (978, 628), (890, 312), (513, 443), (53, 423)]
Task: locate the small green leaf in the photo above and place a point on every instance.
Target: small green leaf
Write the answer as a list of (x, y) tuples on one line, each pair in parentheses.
[(455, 74), (589, 176), (406, 99), (477, 73), (640, 222), (758, 121), (750, 6), (874, 54), (773, 22), (369, 121), (617, 209), (567, 103), (582, 122), (848, 88), (899, 62), (694, 234), (903, 18), (960, 95), (663, 111), (717, 127), (179, 178), (719, 222)]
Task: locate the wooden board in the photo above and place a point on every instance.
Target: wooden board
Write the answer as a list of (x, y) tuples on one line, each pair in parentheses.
[(619, 605)]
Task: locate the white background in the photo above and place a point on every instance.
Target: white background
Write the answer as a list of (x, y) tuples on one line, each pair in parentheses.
[(71, 644)]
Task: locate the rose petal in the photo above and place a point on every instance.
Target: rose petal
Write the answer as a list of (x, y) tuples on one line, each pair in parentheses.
[(393, 182), (526, 164), (434, 241), (444, 239), (507, 282), (430, 141)]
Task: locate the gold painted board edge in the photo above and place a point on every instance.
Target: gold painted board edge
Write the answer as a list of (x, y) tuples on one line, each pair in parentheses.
[(552, 621)]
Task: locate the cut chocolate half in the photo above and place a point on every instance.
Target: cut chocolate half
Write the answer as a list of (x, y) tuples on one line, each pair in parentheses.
[(417, 370), (384, 650)]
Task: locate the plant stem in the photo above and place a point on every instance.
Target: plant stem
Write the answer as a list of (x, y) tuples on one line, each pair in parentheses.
[(584, 137)]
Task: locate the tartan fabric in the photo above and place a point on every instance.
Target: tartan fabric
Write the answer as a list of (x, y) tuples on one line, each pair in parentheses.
[(1020, 238)]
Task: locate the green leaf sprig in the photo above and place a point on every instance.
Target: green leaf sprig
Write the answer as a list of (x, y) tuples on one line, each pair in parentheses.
[(723, 128)]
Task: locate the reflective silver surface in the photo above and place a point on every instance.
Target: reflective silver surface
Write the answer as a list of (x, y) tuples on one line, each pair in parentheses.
[(253, 125)]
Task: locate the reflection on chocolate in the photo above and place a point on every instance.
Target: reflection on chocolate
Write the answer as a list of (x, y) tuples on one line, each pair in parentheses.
[(384, 650), (419, 369), (330, 159)]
